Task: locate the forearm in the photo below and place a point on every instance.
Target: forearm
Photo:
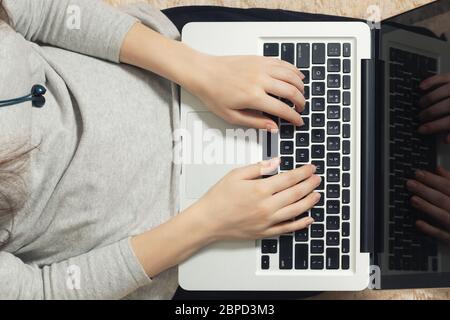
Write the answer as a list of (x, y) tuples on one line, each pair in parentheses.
[(173, 60), (172, 242)]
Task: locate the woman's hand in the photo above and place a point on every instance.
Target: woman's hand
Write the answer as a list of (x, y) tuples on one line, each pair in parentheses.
[(241, 206), (239, 88), (432, 197), (436, 105)]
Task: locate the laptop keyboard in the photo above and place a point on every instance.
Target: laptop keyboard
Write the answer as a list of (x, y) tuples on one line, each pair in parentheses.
[(325, 141), (408, 248)]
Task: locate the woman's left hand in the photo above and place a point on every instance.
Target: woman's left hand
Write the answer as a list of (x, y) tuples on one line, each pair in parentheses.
[(239, 88), (432, 197)]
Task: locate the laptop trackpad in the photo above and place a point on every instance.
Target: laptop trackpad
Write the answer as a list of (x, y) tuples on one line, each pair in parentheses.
[(214, 149)]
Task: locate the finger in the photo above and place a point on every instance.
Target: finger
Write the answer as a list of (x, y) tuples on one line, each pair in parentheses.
[(253, 119), (257, 170), (285, 90), (434, 181), (287, 179), (441, 171), (436, 126), (435, 96), (438, 110), (447, 139), (435, 80), (294, 193), (288, 227), (277, 108), (297, 208), (441, 216), (290, 66), (433, 231), (433, 196), (289, 76)]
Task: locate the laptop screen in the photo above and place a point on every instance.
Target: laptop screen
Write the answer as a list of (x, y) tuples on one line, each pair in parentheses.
[(412, 214)]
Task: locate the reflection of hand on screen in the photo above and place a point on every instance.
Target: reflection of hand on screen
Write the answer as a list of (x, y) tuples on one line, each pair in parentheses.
[(432, 197), (436, 106)]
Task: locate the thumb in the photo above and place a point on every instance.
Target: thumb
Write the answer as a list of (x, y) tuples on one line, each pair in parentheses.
[(254, 119), (259, 169)]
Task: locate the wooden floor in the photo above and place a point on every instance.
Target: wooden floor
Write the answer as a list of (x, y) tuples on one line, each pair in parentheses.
[(350, 8)]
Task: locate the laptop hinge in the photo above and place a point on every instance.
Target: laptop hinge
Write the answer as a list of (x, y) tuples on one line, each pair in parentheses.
[(367, 154)]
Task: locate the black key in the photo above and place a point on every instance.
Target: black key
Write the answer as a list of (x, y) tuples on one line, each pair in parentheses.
[(316, 246), (269, 246), (334, 80), (302, 139), (346, 147), (287, 163), (346, 163), (333, 159), (333, 223), (333, 191), (287, 147), (345, 245), (346, 98), (317, 135), (346, 65), (332, 238), (333, 143), (318, 120), (301, 235), (286, 252), (345, 196), (286, 131), (304, 127), (317, 151), (334, 49), (303, 55), (346, 131), (345, 229), (306, 74), (318, 73), (318, 88), (332, 258), (345, 262), (318, 104), (301, 256), (321, 200), (317, 214), (333, 127), (334, 96), (265, 262), (333, 207), (271, 49), (346, 114), (305, 111), (334, 65), (346, 82), (287, 52), (346, 180), (318, 53), (317, 262), (333, 175), (316, 230), (345, 213), (319, 166), (346, 50), (306, 93), (302, 155), (333, 112)]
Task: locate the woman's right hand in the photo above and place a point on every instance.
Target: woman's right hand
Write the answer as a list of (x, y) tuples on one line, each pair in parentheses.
[(242, 206)]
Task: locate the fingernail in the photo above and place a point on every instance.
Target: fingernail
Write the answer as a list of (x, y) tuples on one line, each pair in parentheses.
[(309, 220), (317, 196), (274, 162), (411, 183), (423, 129), (314, 168), (272, 128), (420, 173)]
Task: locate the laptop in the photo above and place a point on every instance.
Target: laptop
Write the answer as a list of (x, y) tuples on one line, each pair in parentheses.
[(360, 132)]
